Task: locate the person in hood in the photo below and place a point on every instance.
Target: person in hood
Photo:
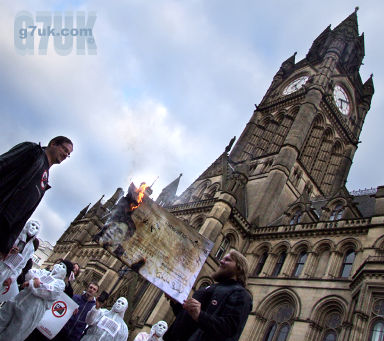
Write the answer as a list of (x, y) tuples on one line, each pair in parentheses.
[(20, 316), (157, 332), (12, 266), (24, 173), (107, 325)]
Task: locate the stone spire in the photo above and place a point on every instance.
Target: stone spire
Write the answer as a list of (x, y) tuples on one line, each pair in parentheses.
[(95, 208), (168, 194), (113, 199), (368, 90), (82, 213), (349, 27)]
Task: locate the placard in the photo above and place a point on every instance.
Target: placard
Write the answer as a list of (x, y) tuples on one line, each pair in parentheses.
[(174, 252), (57, 316)]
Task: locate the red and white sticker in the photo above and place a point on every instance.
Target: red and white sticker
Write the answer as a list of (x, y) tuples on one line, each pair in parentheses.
[(59, 309), (44, 180), (6, 289)]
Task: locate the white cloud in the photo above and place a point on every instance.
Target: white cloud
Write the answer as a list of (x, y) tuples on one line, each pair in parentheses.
[(52, 225), (172, 82)]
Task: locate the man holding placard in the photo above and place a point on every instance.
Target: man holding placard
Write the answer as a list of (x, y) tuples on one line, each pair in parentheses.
[(218, 312)]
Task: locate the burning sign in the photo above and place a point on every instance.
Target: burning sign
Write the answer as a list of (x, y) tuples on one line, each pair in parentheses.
[(174, 253)]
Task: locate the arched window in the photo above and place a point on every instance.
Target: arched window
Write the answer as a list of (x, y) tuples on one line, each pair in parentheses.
[(347, 263), (279, 264), (280, 327), (300, 263), (296, 217), (270, 332), (377, 332), (330, 336), (200, 191), (222, 248), (211, 191), (337, 212), (260, 263), (282, 336), (197, 223), (378, 307)]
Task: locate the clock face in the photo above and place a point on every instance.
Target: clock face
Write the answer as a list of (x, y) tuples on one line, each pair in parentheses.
[(295, 85), (341, 99)]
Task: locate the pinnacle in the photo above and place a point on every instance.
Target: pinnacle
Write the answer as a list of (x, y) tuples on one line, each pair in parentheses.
[(349, 26)]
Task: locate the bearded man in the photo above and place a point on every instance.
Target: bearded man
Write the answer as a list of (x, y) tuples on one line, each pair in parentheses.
[(217, 312)]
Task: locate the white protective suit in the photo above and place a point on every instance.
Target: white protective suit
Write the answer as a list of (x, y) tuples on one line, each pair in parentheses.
[(20, 316), (107, 325), (157, 332), (12, 269)]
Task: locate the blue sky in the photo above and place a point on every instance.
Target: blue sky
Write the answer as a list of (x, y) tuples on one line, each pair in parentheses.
[(171, 84)]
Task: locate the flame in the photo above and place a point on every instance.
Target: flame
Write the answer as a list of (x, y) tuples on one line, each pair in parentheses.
[(140, 195)]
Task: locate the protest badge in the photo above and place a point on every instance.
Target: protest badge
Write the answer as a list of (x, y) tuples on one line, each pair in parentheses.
[(109, 325), (8, 291), (45, 282), (174, 253), (13, 260), (57, 316)]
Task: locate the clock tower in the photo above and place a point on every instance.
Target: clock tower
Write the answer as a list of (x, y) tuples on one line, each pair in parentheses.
[(277, 195), (303, 135)]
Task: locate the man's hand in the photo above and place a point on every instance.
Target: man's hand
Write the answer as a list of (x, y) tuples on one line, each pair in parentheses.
[(193, 307), (36, 282), (76, 311), (25, 284), (14, 250), (7, 282)]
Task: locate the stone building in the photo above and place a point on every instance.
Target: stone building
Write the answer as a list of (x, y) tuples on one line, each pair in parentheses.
[(43, 252), (316, 251)]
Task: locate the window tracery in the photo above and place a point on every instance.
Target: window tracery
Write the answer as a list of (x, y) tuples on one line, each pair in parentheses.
[(279, 326), (198, 222), (337, 212), (377, 331), (300, 263), (279, 264), (224, 246), (347, 263), (260, 264), (296, 217)]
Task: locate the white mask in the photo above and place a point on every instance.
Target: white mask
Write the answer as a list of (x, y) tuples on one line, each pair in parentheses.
[(32, 228), (59, 271), (120, 305), (159, 328)]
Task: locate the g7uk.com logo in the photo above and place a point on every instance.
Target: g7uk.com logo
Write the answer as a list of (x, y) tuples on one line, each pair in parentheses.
[(57, 27)]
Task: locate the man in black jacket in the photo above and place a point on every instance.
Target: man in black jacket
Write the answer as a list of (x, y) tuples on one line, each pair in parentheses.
[(218, 312), (24, 172)]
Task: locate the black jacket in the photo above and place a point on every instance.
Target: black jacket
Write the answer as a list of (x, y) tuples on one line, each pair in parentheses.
[(225, 308), (17, 167)]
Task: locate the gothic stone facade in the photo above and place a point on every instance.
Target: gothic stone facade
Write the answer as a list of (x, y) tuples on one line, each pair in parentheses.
[(316, 251)]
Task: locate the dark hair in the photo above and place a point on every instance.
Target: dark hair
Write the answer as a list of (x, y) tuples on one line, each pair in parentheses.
[(78, 266), (36, 244), (28, 266), (94, 283), (58, 140), (69, 266)]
